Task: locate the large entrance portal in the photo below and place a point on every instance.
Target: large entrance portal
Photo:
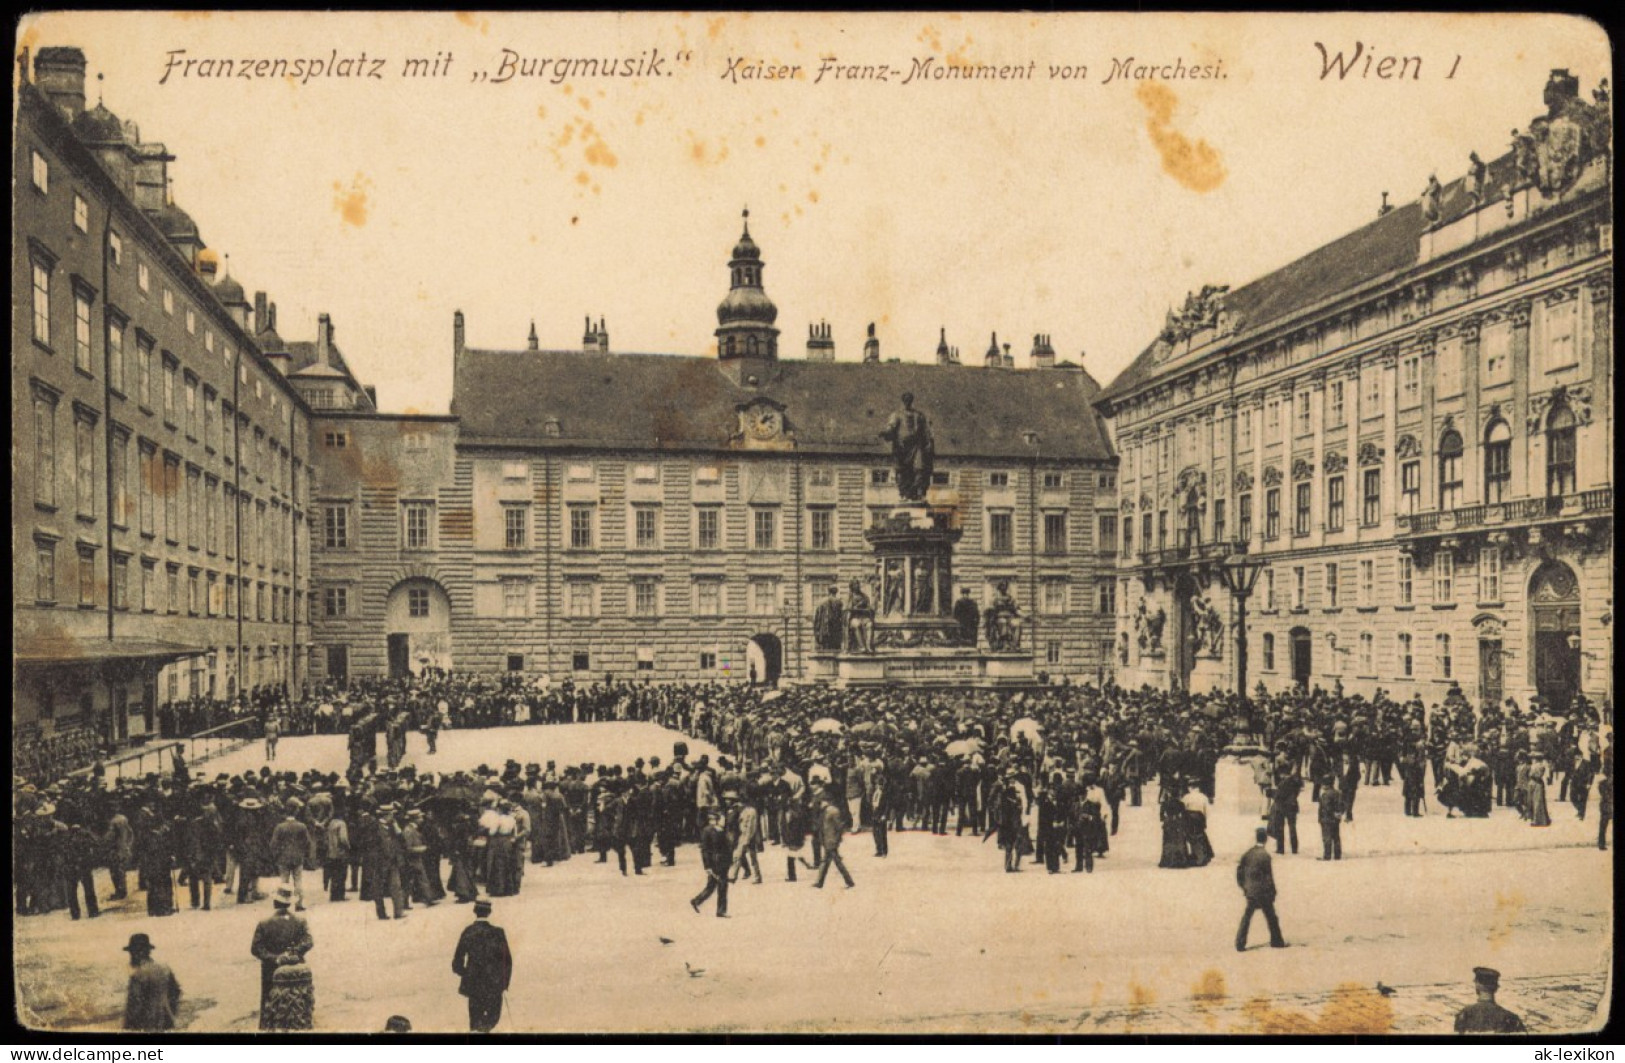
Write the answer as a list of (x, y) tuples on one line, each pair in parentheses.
[(1302, 657), (1554, 621), (764, 659), (1185, 637), (417, 620)]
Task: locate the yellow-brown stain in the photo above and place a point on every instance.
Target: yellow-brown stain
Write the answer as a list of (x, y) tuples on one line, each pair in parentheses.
[(1351, 1009), (582, 178), (586, 104), (713, 27), (597, 152), (761, 142), (812, 196), (1194, 164), (28, 39), (1207, 993), (1508, 907), (351, 202), (473, 21), (703, 153), (541, 112)]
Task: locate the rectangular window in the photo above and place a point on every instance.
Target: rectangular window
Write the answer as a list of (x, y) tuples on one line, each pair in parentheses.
[(1368, 583), (1332, 571), (581, 527), (1410, 487), (515, 593), (708, 598), (191, 321), (764, 529), (1244, 517), (1244, 430), (1106, 597), (415, 525), (1055, 533), (1272, 416), (143, 276), (336, 601), (646, 658), (1128, 536), (87, 578), (1489, 574), (1146, 531), (42, 302), (1407, 661), (764, 597), (582, 598), (169, 302), (1269, 589), (516, 662), (822, 525), (1446, 665), (1300, 588), (1406, 585), (119, 468), (44, 448), (1559, 328), (209, 420), (708, 661), (121, 582), (1269, 652), (335, 440), (1371, 497), (172, 591), (1305, 413), (143, 366), (115, 247), (1334, 503), (1497, 469), (581, 661), (194, 525), (115, 355), (707, 528), (211, 515), (1218, 520), (821, 476), (997, 480), (44, 571), (645, 474), (1410, 382), (41, 172), (1001, 537), (1335, 411), (81, 332), (1444, 577), (1495, 351), (646, 527), (1300, 514), (1108, 533), (645, 598), (149, 587), (515, 527), (336, 527), (172, 499), (417, 602), (171, 371), (1052, 653), (1272, 513), (1054, 481), (1162, 529), (1053, 601)]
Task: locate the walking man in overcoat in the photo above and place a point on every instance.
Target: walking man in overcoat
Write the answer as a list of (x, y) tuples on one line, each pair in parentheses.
[(485, 964), (1257, 882), (153, 994)]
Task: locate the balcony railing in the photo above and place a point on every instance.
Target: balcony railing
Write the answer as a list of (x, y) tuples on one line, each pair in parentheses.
[(1467, 518)]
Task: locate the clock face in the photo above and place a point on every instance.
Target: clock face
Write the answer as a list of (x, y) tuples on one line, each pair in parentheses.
[(764, 423)]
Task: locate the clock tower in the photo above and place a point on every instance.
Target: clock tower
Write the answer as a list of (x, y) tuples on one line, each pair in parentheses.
[(747, 342)]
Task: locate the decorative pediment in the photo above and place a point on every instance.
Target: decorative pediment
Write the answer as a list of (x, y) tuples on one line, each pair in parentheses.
[(1272, 476), (1407, 447), (1244, 480), (1335, 462), (1201, 311), (1145, 500), (1370, 454), (1191, 478), (1128, 505), (1489, 627), (1577, 397), (1302, 469)]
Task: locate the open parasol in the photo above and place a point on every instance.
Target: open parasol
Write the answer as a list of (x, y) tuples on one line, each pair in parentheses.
[(828, 725), (1027, 726)]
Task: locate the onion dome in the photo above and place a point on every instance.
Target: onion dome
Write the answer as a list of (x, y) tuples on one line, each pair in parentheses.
[(746, 302), (174, 222), (230, 292), (99, 127)]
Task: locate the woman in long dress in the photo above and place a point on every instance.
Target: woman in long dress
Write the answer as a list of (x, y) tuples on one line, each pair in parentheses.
[(1196, 805), (1175, 852), (1539, 816)]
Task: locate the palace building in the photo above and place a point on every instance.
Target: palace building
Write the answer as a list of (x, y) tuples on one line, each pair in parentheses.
[(1411, 427), (590, 512), (159, 455)]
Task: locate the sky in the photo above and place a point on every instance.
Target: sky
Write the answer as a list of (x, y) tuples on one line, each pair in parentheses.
[(1081, 207)]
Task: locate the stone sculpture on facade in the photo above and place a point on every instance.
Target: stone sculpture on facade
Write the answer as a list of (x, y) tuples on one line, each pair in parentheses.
[(860, 620), (1003, 621)]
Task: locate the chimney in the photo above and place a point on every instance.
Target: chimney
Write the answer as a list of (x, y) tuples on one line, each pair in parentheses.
[(820, 343), (1043, 356), (457, 332), (1009, 360), (991, 359), (152, 176), (60, 74), (871, 346), (944, 355), (261, 321), (270, 318), (535, 343), (324, 339), (603, 337), (589, 337)]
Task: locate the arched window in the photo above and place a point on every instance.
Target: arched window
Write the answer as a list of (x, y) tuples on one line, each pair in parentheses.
[(1560, 453), (752, 348), (1450, 450), (1497, 462), (728, 347)]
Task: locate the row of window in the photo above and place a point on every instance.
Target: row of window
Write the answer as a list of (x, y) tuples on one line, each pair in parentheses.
[(1444, 584), (817, 475), (203, 593), (1404, 664)]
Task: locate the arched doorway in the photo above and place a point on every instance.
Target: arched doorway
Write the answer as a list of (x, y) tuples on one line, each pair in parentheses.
[(417, 620), (1184, 636), (1302, 657), (1554, 618), (764, 659)]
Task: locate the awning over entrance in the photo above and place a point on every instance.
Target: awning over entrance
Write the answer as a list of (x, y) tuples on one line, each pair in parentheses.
[(62, 652)]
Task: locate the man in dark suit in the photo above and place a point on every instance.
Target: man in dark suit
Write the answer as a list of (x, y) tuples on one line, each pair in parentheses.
[(716, 854), (1257, 882), (485, 965), (1485, 1015), (282, 932)]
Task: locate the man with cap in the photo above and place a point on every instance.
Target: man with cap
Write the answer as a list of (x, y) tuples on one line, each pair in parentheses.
[(281, 932), (1485, 1015), (716, 855), (1257, 882), (485, 965), (154, 995)]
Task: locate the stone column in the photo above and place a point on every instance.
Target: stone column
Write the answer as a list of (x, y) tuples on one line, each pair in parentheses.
[(1532, 481)]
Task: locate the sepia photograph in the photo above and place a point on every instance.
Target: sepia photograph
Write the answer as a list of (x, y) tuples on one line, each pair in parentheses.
[(649, 523)]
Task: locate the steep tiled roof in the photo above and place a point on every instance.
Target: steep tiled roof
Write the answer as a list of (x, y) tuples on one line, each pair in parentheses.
[(1387, 245), (678, 402)]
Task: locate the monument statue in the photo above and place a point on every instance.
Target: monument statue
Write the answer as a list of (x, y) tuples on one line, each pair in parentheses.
[(860, 620), (968, 615), (1003, 621), (913, 453), (829, 622)]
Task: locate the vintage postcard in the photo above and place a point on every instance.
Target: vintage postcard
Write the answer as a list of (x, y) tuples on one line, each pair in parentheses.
[(1069, 524)]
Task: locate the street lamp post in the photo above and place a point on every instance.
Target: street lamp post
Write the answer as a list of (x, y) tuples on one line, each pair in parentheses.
[(1240, 574)]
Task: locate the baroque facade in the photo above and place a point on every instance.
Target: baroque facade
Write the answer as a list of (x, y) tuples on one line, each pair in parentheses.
[(587, 513), (1411, 427), (159, 456)]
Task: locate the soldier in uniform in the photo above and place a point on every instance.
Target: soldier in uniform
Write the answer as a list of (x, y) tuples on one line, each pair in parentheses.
[(1485, 1015)]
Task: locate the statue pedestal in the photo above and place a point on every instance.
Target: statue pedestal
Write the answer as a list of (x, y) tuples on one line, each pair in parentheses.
[(917, 642)]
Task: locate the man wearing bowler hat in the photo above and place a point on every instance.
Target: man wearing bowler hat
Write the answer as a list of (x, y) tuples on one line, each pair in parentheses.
[(1485, 1015), (154, 995), (282, 932), (485, 965), (1257, 882)]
